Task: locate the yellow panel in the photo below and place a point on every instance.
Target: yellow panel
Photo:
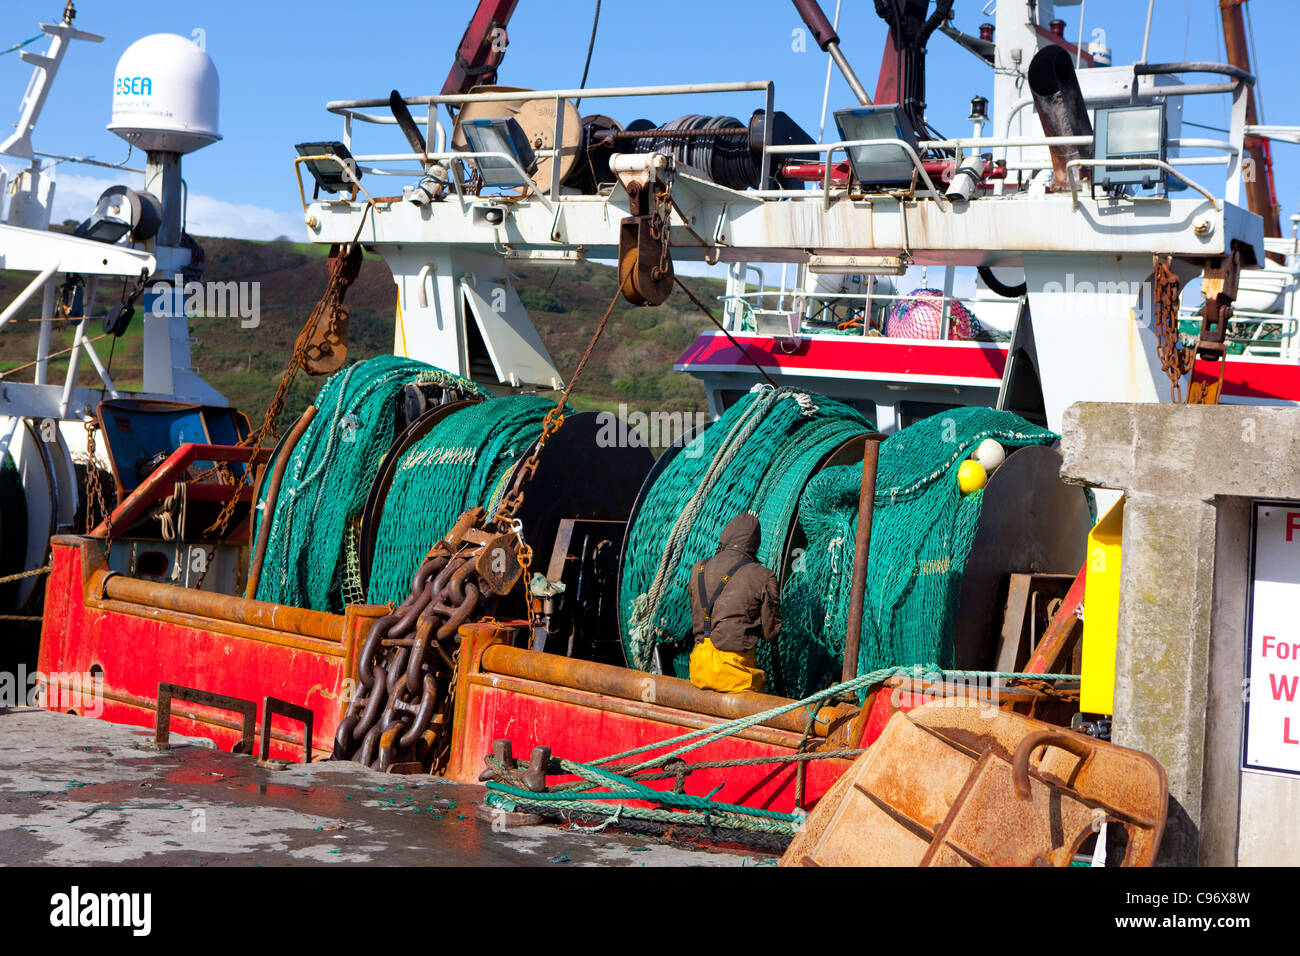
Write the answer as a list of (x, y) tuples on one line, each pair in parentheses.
[(1101, 613)]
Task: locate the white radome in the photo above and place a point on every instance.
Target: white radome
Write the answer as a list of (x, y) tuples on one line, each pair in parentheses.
[(990, 454), (165, 95)]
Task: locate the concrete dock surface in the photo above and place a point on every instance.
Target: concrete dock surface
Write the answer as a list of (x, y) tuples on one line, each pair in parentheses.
[(81, 792)]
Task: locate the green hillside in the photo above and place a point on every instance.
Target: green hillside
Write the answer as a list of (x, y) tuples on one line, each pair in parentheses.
[(633, 363)]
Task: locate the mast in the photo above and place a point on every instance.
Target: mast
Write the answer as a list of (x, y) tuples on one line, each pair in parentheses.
[(1260, 193)]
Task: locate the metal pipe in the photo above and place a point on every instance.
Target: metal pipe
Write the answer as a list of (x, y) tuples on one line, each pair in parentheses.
[(653, 689), (1146, 34), (826, 37), (850, 77), (152, 596), (47, 326), (74, 364), (861, 553), (29, 290), (273, 495), (1153, 163), (1261, 197), (826, 93), (1060, 106), (162, 478), (342, 107), (1193, 66)]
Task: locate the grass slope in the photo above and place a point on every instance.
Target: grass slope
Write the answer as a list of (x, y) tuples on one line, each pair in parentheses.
[(632, 363)]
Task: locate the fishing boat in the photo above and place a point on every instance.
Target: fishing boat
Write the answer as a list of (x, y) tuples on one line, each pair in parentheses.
[(448, 567), (57, 477)]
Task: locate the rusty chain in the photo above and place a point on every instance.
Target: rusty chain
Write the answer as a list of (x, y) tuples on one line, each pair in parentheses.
[(95, 490), (399, 717), (1174, 359), (319, 349)]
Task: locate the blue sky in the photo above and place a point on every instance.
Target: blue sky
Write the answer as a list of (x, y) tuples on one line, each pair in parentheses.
[(280, 62)]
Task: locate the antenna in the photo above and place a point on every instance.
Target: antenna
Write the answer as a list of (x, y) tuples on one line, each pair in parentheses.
[(46, 66)]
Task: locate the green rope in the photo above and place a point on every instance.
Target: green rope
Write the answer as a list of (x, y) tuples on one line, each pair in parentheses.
[(579, 797)]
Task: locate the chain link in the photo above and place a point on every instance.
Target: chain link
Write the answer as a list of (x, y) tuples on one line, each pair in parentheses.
[(401, 712), (1174, 359), (95, 491)]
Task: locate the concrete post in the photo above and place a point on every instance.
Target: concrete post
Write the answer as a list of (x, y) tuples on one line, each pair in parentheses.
[(1189, 473)]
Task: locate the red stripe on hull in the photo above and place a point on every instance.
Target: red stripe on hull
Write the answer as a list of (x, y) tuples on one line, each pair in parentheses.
[(137, 647), (1262, 380), (856, 357)]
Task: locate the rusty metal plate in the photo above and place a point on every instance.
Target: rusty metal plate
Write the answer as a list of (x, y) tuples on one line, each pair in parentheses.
[(962, 784)]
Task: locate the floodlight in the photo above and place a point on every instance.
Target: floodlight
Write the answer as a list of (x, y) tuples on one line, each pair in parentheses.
[(329, 175), (499, 134), (119, 211), (884, 165), (1129, 132)]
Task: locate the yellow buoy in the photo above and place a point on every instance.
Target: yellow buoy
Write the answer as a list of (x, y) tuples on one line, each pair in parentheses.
[(971, 476)]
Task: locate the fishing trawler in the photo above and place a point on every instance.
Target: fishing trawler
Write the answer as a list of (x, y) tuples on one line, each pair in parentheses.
[(55, 475), (489, 574)]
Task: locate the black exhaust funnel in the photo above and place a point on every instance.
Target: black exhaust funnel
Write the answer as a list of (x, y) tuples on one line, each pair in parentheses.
[(1061, 109)]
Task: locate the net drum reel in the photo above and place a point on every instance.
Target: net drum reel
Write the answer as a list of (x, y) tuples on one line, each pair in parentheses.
[(1031, 522), (573, 516), (660, 465), (796, 539), (378, 494), (771, 444)]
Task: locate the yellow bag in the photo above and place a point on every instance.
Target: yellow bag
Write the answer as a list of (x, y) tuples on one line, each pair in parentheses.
[(725, 671)]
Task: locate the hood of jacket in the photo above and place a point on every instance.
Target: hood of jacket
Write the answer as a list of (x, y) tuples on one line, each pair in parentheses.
[(743, 534)]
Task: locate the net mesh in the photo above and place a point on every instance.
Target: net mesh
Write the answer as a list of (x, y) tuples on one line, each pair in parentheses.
[(326, 481), (756, 457), (921, 536), (464, 460)]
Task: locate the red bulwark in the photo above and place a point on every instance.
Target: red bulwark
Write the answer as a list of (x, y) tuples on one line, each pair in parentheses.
[(104, 657)]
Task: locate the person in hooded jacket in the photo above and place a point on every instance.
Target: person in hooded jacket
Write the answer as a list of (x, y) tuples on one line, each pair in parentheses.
[(734, 604)]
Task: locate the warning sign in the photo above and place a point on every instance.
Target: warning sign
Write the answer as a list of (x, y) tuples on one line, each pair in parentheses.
[(1272, 722)]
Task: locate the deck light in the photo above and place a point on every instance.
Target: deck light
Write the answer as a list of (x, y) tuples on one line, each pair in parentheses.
[(499, 134), (1129, 132), (119, 211), (886, 164), (329, 174)]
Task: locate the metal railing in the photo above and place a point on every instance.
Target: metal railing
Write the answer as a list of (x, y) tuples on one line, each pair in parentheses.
[(804, 304), (1262, 334), (352, 110), (359, 110)]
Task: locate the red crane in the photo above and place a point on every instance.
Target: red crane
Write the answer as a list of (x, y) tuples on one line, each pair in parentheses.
[(481, 48), (1261, 194)]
